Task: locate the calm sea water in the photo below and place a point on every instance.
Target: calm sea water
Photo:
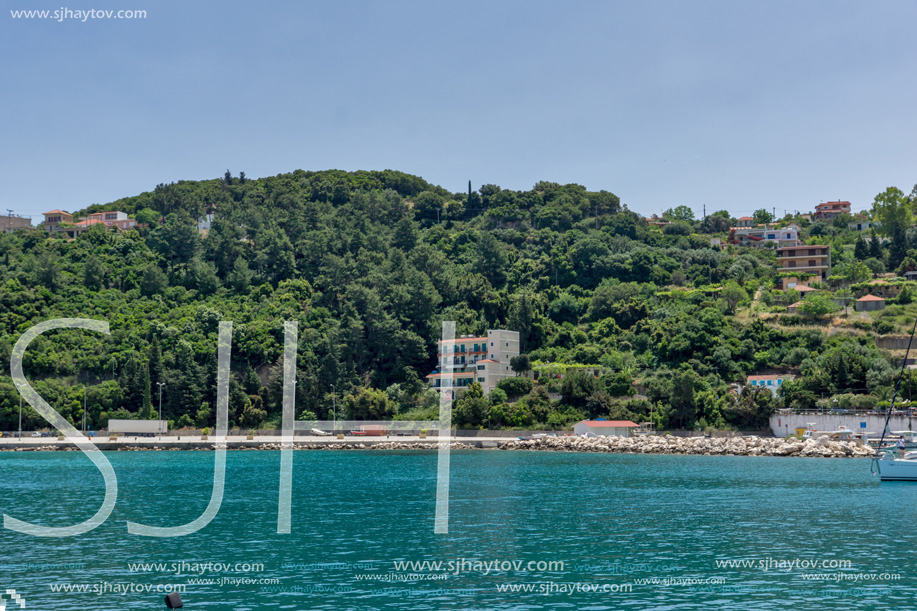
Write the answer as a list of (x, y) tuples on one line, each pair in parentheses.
[(674, 517)]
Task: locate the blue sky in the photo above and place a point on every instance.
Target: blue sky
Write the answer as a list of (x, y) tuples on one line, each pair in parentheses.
[(736, 105)]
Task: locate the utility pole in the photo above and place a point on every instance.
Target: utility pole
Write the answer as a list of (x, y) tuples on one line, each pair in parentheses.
[(334, 413), (20, 416), (10, 220), (84, 409), (437, 216)]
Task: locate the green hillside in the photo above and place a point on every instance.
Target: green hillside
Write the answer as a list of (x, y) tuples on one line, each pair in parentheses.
[(370, 263)]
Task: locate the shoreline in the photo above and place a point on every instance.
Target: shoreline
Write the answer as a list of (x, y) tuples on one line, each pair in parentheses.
[(664, 444)]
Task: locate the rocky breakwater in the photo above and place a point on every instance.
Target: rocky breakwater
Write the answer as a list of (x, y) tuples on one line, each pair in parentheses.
[(706, 446)]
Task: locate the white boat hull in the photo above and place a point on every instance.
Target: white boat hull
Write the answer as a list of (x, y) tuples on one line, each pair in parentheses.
[(897, 470)]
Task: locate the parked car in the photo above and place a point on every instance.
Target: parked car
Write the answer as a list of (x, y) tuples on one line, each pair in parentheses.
[(36, 434)]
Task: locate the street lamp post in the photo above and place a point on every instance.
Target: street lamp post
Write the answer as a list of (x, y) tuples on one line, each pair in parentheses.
[(84, 409), (20, 417), (160, 384)]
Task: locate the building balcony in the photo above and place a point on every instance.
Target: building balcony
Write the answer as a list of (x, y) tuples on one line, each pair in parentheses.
[(781, 258), (803, 267)]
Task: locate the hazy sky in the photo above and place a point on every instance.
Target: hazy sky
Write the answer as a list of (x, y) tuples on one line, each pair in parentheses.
[(736, 105)]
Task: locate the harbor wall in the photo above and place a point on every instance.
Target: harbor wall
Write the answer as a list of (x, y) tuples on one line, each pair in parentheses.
[(786, 424)]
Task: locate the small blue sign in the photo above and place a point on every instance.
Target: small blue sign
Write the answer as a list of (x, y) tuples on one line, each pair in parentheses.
[(862, 425)]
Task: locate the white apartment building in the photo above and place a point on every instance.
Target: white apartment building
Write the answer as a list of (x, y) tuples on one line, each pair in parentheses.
[(483, 359)]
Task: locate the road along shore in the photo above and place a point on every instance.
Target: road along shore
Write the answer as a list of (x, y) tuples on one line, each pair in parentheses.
[(651, 444)]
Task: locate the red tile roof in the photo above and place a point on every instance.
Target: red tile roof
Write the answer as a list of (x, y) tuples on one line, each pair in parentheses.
[(611, 423), (90, 221), (56, 212), (870, 298)]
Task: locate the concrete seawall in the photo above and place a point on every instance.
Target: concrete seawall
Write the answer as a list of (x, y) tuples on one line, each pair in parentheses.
[(786, 424), (241, 443)]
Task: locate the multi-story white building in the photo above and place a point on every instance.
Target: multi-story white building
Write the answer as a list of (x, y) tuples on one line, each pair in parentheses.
[(468, 359), (758, 236)]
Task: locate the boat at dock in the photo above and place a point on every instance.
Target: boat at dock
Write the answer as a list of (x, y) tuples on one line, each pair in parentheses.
[(841, 433), (893, 469)]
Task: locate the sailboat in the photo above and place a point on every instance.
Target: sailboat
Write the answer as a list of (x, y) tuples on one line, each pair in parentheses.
[(893, 469)]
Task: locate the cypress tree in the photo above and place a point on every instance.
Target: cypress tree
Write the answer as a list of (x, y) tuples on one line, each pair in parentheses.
[(147, 410)]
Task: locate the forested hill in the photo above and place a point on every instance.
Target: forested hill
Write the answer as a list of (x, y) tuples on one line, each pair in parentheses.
[(370, 263)]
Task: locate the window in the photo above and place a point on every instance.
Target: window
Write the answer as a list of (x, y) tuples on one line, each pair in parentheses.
[(491, 344), (481, 380), (812, 263), (770, 382), (481, 367)]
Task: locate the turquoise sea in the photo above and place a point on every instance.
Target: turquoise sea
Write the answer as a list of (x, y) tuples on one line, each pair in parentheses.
[(608, 523)]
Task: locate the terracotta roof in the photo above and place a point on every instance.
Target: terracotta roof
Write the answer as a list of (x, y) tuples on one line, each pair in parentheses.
[(870, 298), (56, 212), (487, 361), (610, 423), (795, 304), (801, 288), (87, 222), (745, 218)]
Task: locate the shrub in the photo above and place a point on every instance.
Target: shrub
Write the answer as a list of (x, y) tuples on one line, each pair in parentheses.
[(516, 387)]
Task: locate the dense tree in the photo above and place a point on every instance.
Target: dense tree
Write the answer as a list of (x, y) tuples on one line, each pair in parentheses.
[(679, 213), (762, 216)]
